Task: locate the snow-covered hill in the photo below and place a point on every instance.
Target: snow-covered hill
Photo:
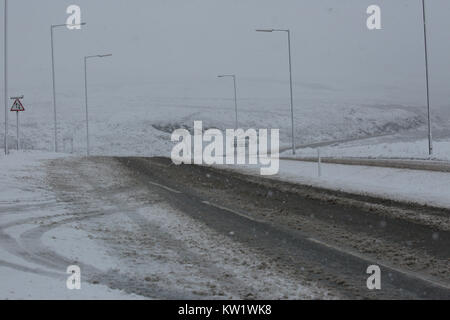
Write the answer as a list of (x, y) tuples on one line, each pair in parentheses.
[(126, 121)]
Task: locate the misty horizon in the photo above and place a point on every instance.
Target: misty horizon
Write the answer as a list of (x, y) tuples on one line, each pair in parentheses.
[(176, 49)]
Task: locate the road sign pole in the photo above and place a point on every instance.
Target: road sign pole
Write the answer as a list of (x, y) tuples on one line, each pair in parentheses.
[(17, 114), (17, 107)]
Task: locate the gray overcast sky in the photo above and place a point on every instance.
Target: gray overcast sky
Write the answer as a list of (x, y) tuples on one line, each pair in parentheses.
[(181, 45)]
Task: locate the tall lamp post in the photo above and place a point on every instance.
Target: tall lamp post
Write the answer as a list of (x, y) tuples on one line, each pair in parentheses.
[(290, 78), (53, 76), (235, 96), (86, 96), (5, 56), (430, 136)]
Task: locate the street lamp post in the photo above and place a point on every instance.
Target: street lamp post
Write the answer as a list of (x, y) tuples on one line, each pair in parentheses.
[(235, 96), (290, 78), (430, 137), (86, 96), (5, 56), (53, 76)]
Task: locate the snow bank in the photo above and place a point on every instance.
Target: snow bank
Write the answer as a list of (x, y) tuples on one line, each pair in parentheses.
[(408, 150), (422, 187)]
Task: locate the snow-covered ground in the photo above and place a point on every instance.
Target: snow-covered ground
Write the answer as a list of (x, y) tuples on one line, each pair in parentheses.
[(371, 148), (25, 198), (19, 285), (416, 186), (133, 120)]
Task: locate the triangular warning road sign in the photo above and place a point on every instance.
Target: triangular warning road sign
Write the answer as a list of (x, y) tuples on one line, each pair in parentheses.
[(17, 106)]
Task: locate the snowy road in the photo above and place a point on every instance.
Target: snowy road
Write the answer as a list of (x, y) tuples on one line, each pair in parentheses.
[(326, 237), (143, 228), (128, 241)]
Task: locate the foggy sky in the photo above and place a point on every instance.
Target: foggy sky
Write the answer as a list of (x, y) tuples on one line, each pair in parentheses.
[(180, 46)]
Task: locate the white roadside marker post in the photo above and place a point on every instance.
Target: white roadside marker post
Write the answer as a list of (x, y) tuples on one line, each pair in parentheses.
[(319, 163)]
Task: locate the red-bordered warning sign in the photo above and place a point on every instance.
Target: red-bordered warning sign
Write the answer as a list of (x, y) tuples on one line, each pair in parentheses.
[(17, 106)]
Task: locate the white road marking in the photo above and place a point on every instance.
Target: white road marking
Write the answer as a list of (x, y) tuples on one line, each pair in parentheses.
[(164, 187), (232, 211)]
